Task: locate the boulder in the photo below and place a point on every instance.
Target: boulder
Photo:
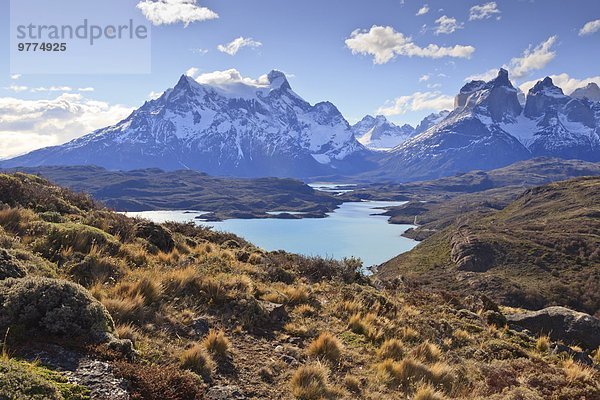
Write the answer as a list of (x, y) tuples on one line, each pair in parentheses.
[(10, 267), (562, 324), (156, 235)]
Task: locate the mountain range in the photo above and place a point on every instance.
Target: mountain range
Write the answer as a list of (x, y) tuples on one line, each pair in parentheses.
[(266, 129)]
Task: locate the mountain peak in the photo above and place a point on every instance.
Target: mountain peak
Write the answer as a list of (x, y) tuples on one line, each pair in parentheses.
[(591, 92), (501, 79), (278, 80)]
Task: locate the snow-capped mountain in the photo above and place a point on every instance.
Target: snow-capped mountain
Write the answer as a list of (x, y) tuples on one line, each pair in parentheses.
[(377, 133), (590, 92), (489, 128), (430, 121), (235, 128)]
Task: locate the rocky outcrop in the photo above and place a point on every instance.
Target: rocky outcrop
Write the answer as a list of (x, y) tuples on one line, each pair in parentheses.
[(469, 253), (562, 324)]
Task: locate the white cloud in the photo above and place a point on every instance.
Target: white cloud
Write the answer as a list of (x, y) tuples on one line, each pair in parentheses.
[(563, 81), (235, 45), (199, 51), (52, 89), (424, 78), (484, 11), (17, 88), (485, 76), (418, 101), (590, 27), (447, 25), (227, 77), (154, 95), (384, 44), (86, 89), (533, 59), (519, 67), (26, 125), (167, 12), (423, 10), (15, 76)]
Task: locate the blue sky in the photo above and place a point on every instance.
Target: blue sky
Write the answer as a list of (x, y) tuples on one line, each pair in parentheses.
[(364, 56)]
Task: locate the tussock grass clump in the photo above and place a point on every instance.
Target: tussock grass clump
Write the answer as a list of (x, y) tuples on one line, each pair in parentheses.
[(198, 360), (391, 348), (542, 344), (126, 309), (16, 220), (128, 331), (216, 343), (410, 371), (461, 336), (310, 382), (149, 287), (427, 352), (305, 310), (576, 372), (361, 324), (97, 268), (426, 392), (296, 295), (326, 347), (409, 334), (352, 383)]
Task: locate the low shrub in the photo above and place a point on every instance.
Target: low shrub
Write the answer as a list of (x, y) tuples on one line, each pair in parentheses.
[(10, 267), (78, 237), (164, 382), (21, 380), (54, 306)]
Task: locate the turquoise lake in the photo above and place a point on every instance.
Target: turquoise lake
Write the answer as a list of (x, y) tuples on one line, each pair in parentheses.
[(350, 230)]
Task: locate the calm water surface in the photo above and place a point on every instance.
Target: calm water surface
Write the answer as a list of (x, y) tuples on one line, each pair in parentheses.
[(351, 230)]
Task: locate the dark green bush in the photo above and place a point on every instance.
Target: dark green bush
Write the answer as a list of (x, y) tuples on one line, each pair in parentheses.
[(10, 267), (43, 305)]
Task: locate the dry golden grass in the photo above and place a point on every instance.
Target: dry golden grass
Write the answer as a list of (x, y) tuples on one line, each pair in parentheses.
[(426, 392), (296, 295), (305, 310), (128, 331), (391, 348), (126, 309), (352, 383), (596, 356), (217, 343), (409, 334), (297, 328), (197, 359), (576, 372), (310, 382), (149, 287), (542, 344), (427, 352), (461, 336), (16, 220), (409, 372), (326, 347), (362, 324)]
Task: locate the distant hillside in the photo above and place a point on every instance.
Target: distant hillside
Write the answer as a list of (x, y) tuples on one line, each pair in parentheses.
[(542, 249), (154, 189)]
